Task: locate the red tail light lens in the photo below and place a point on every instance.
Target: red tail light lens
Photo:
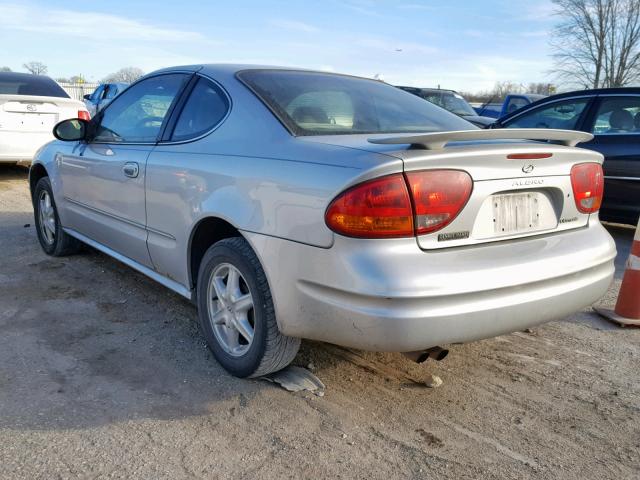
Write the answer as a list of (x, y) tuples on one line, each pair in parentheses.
[(379, 208), (84, 115), (438, 197), (587, 181), (528, 156)]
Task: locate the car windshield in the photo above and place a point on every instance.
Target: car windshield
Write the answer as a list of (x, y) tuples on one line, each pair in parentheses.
[(25, 84), (449, 101), (313, 103)]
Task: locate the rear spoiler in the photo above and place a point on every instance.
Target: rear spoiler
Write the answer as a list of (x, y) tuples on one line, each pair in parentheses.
[(437, 141)]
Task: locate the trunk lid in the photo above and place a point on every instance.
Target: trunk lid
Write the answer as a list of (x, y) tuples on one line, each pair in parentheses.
[(35, 114), (511, 198)]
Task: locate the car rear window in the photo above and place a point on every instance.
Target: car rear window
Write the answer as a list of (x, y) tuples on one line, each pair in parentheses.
[(25, 84), (315, 103)]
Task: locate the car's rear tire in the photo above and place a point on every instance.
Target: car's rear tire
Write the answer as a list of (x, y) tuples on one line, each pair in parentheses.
[(53, 239), (236, 312)]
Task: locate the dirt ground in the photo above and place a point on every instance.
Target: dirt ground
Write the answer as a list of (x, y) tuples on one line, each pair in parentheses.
[(103, 374)]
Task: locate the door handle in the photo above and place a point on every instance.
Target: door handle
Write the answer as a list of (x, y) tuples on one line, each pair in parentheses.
[(131, 169)]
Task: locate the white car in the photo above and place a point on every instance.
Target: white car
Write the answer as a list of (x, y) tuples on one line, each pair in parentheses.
[(30, 105)]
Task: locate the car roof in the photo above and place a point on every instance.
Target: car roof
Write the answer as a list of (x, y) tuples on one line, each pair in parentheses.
[(231, 68), (19, 76), (574, 93), (428, 89)]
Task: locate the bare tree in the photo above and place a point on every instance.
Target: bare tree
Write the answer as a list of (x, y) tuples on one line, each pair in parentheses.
[(37, 68), (541, 88), (5, 69), (127, 75), (597, 43)]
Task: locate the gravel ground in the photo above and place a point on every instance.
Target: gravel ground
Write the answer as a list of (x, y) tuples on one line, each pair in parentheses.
[(103, 374)]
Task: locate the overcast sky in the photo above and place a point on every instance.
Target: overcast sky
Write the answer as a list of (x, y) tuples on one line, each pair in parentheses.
[(464, 45)]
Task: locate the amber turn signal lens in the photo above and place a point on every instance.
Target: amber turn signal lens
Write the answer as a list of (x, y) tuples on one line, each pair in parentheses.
[(379, 208)]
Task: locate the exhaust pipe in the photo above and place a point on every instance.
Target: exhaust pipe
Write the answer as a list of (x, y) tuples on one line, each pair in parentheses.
[(421, 356)]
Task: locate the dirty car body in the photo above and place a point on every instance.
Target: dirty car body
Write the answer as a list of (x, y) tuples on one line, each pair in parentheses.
[(282, 166)]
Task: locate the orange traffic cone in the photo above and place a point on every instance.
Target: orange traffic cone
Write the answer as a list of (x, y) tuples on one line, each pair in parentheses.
[(627, 311)]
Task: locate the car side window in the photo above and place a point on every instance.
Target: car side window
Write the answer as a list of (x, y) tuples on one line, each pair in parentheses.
[(137, 115), (617, 115), (97, 94), (111, 92), (206, 106), (516, 103), (563, 114)]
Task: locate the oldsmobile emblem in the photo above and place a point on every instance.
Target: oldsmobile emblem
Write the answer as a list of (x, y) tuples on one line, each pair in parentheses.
[(31, 107), (527, 168)]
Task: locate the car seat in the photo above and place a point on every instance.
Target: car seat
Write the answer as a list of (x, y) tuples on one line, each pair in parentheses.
[(636, 121), (309, 114), (620, 121)]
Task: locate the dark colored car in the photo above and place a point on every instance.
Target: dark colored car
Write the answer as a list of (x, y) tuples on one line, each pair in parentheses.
[(452, 101), (613, 116)]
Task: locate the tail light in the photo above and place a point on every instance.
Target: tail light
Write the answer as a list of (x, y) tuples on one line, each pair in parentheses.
[(84, 115), (438, 197), (587, 181), (378, 208), (400, 206)]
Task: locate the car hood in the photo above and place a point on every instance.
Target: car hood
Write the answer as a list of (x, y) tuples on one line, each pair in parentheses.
[(479, 120)]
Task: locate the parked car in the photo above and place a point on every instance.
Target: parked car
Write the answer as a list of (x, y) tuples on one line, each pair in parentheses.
[(512, 103), (453, 102), (294, 204), (613, 117), (30, 105), (102, 95)]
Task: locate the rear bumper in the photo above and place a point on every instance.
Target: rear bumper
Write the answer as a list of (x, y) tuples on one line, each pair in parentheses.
[(391, 296), (21, 146)]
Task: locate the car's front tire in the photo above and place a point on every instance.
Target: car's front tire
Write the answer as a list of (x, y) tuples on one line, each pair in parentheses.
[(236, 312), (53, 239)]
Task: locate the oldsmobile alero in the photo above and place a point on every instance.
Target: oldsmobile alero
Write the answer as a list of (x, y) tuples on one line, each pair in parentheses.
[(293, 204)]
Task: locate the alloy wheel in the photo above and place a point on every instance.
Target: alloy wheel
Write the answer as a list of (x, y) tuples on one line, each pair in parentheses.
[(47, 217), (230, 309)]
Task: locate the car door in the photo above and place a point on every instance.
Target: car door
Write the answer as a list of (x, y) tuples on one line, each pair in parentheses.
[(615, 124), (180, 173), (103, 180)]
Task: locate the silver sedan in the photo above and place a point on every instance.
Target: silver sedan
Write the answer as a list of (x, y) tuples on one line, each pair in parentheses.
[(293, 204)]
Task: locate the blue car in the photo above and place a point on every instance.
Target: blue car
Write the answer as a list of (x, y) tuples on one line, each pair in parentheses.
[(512, 103), (102, 96), (612, 115)]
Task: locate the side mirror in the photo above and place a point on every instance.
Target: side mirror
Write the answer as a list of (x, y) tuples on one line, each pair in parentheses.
[(71, 130), (86, 96)]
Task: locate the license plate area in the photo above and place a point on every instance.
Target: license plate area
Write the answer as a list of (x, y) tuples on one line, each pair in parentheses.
[(513, 213)]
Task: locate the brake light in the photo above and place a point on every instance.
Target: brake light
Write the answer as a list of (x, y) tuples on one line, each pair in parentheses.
[(438, 197), (84, 115), (386, 208), (528, 156), (379, 208), (587, 181)]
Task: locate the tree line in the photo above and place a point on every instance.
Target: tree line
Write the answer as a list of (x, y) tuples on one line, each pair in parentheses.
[(125, 75)]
